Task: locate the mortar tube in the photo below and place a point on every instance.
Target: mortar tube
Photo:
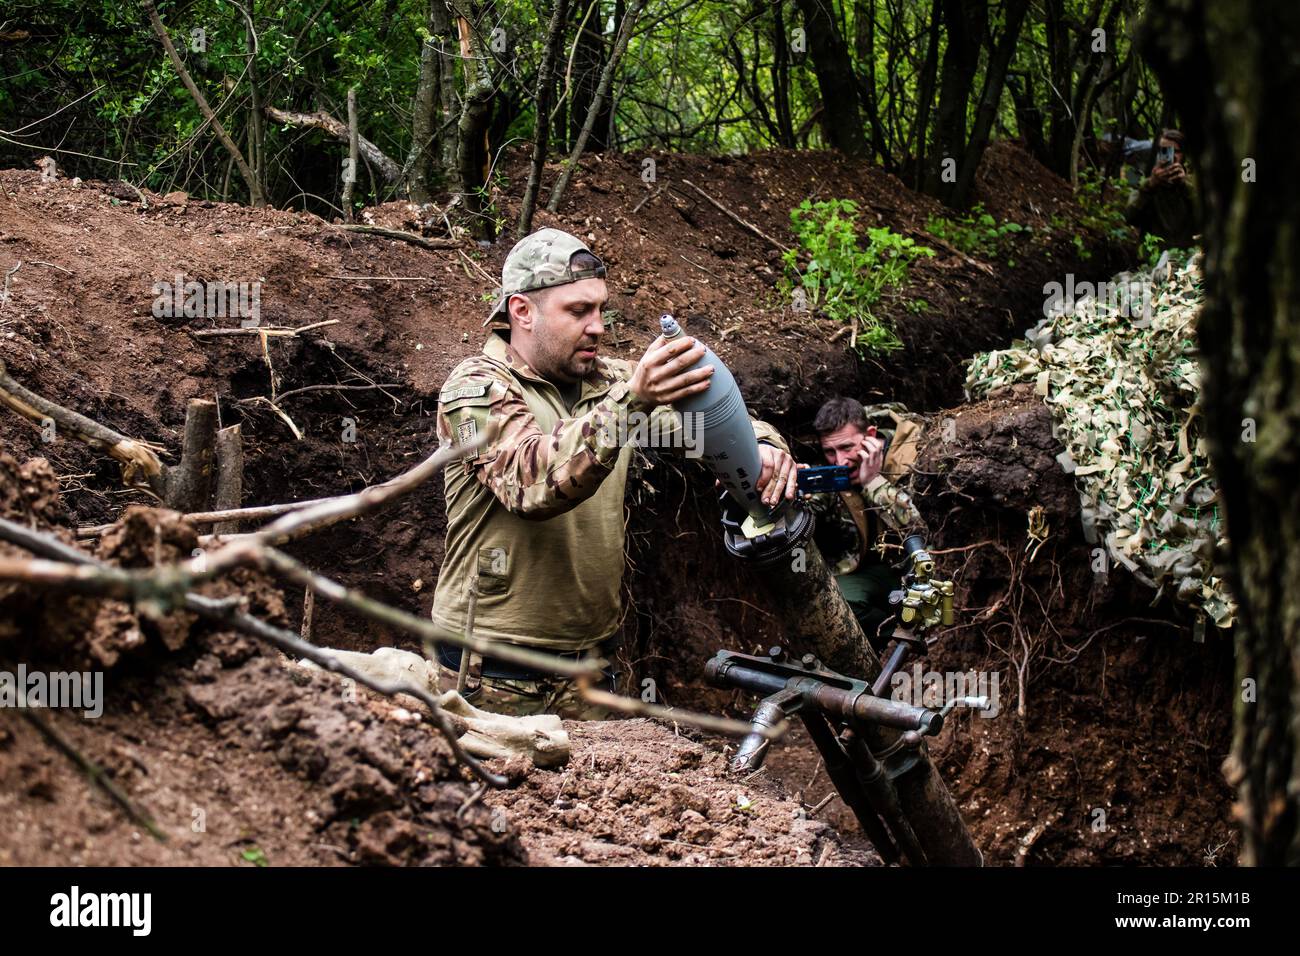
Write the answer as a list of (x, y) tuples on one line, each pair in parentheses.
[(883, 797), (815, 616), (839, 767), (792, 571)]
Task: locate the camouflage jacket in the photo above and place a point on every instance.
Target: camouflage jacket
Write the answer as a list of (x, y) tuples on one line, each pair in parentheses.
[(535, 517), (1171, 211), (847, 541)]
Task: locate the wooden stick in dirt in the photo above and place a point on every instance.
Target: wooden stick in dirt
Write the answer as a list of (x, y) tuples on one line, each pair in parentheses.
[(230, 476), (927, 239), (744, 224), (334, 388), (234, 514), (292, 570), (308, 607), (189, 484), (462, 673), (258, 549), (138, 458), (267, 330), (98, 776), (647, 198), (102, 580), (403, 236)]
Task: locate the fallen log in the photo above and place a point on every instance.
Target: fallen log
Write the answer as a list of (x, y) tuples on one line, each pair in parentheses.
[(141, 466)]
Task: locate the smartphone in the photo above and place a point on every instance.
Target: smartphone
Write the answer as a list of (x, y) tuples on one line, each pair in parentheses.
[(824, 478), (1165, 156)]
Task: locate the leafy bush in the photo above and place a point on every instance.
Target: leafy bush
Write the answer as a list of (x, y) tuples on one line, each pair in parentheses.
[(977, 234), (845, 277), (1103, 202)]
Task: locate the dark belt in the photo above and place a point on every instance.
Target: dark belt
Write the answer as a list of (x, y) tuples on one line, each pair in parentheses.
[(508, 670)]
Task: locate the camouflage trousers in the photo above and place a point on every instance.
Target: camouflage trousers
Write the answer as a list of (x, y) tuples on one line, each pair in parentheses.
[(524, 698)]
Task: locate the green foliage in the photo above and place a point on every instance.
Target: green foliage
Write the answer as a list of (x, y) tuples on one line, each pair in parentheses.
[(717, 77), (1102, 202), (1081, 247), (255, 856), (976, 234), (1153, 247), (1149, 249), (845, 277)]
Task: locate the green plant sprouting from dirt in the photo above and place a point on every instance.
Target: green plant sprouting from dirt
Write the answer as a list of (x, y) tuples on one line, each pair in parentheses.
[(1102, 202), (976, 234), (845, 277), (255, 856)]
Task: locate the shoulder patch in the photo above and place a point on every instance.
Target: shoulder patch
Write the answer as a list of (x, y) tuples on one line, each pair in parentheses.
[(466, 432), (464, 391)]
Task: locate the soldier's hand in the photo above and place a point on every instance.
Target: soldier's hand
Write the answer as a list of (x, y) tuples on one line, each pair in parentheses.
[(780, 476), (664, 374), (1162, 174), (872, 457)]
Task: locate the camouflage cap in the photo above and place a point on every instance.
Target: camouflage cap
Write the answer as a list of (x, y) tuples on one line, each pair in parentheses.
[(539, 261)]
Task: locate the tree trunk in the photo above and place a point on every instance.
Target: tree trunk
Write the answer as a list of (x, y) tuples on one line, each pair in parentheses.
[(1089, 82), (994, 78), (350, 180), (1060, 129), (256, 126), (966, 23), (1029, 116), (925, 97), (541, 126), (588, 64), (444, 30), (229, 491), (471, 131), (864, 44), (1232, 72), (189, 484), (424, 113), (781, 76), (594, 112), (836, 80)]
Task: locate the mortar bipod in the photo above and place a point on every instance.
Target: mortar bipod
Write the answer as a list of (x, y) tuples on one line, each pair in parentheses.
[(836, 710)]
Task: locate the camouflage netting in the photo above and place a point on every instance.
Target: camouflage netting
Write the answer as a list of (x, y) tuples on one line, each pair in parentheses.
[(1118, 369)]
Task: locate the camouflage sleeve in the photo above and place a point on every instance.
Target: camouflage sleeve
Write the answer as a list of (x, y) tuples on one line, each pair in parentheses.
[(534, 474), (768, 435), (822, 503), (894, 505)]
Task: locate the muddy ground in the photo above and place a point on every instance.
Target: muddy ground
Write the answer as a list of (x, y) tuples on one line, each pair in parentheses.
[(1122, 713)]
